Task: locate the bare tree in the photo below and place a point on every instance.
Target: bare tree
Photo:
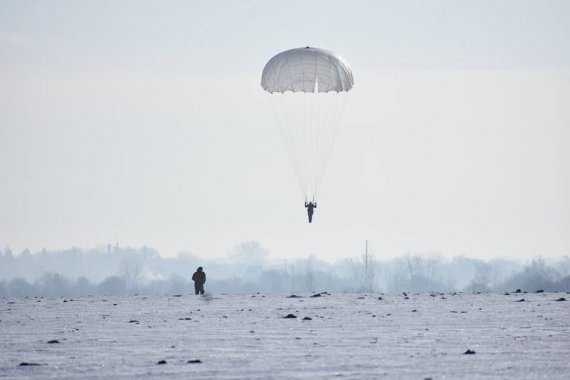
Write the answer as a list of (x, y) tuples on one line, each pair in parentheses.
[(309, 274), (418, 273), (19, 287), (131, 269), (482, 278), (53, 284)]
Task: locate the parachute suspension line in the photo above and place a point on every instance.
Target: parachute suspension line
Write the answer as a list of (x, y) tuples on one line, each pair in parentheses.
[(309, 134), (311, 129), (298, 148), (330, 133), (305, 125), (317, 140), (284, 121), (289, 130)]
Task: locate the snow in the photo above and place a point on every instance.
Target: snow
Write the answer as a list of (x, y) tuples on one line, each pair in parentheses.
[(350, 336)]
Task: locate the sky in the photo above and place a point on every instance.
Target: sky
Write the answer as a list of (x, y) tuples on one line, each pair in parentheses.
[(144, 123)]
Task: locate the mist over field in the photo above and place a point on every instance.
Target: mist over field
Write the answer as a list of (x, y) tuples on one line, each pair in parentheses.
[(249, 268)]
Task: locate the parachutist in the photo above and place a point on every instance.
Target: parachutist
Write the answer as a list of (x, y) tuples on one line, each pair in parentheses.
[(309, 86), (310, 209)]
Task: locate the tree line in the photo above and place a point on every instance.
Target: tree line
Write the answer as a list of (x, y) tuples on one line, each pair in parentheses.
[(114, 270)]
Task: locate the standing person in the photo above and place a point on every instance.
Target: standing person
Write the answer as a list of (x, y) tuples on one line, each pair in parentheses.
[(199, 278)]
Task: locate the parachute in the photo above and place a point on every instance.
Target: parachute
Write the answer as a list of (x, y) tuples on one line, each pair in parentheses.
[(308, 88)]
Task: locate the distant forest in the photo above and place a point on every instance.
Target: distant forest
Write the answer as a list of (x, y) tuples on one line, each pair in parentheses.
[(114, 270)]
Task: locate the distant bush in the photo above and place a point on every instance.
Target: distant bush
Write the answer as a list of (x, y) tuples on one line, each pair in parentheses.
[(53, 284), (537, 275), (112, 286), (3, 289), (19, 287)]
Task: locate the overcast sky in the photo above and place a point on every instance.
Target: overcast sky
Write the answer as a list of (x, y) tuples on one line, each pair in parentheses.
[(144, 122)]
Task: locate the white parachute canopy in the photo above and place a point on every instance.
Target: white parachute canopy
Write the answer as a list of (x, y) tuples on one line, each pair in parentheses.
[(308, 88)]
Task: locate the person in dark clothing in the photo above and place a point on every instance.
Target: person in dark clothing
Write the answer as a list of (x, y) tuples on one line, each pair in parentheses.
[(310, 209), (199, 278)]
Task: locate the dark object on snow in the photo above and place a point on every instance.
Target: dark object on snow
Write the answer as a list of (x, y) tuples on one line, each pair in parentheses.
[(413, 311), (540, 291), (469, 352), (290, 316), (25, 364), (177, 295), (186, 319), (307, 319), (316, 295), (518, 291), (161, 362), (380, 298), (194, 361), (404, 294), (199, 278), (507, 294), (406, 298), (521, 300), (294, 296), (133, 321), (561, 299), (53, 341)]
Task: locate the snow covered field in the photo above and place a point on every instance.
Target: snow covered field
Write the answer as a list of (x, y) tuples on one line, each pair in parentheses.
[(348, 336)]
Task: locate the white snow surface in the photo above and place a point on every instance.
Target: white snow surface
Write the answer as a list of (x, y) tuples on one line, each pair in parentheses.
[(349, 336)]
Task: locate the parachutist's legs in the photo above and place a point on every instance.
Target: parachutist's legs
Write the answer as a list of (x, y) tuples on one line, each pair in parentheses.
[(310, 218)]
